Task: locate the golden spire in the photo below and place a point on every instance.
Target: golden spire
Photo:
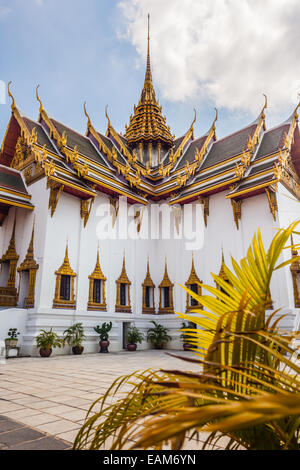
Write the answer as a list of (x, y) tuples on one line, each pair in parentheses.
[(148, 281), (222, 272), (123, 276), (11, 253), (148, 75), (166, 280), (30, 254), (65, 268), (29, 261), (147, 124), (193, 278), (97, 273)]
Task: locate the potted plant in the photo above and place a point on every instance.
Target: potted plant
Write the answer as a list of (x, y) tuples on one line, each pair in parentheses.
[(12, 339), (103, 332), (185, 338), (134, 336), (47, 340), (158, 335), (74, 336)]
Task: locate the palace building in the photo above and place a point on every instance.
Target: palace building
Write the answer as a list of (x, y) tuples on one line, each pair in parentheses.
[(54, 269)]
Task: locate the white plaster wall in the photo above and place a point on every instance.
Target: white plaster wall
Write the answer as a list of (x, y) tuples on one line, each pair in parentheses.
[(51, 234)]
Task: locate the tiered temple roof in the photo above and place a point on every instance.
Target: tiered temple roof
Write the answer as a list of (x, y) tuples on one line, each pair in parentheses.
[(244, 163)]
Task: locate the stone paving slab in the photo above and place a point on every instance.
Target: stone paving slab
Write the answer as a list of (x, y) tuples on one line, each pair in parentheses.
[(51, 396), (17, 436)]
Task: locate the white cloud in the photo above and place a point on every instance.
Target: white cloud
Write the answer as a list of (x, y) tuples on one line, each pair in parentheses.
[(4, 12), (229, 51)]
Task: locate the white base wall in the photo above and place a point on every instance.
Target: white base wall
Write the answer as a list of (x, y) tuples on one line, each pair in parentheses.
[(51, 234)]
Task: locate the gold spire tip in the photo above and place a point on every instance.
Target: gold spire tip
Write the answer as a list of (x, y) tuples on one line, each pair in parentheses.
[(38, 98), (13, 104)]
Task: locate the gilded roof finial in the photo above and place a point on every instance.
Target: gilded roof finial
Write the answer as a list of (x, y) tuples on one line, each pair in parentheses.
[(13, 104), (89, 123), (148, 76), (194, 120), (38, 98), (107, 117), (266, 102), (296, 109), (216, 118), (147, 123)]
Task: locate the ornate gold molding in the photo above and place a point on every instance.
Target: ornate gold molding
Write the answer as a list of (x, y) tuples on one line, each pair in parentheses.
[(97, 274), (8, 293), (29, 265), (65, 270), (193, 280), (272, 199), (237, 211), (222, 273), (85, 209), (123, 279), (205, 203), (148, 283), (55, 192), (166, 283)]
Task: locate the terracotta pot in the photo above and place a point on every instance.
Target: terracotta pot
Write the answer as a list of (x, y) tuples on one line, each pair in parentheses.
[(131, 347), (45, 352), (11, 342), (104, 346), (77, 350)]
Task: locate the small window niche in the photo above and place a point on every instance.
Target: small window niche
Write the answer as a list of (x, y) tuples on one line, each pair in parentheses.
[(193, 284), (8, 263), (64, 296), (166, 304), (27, 271), (148, 287), (97, 300), (123, 291)]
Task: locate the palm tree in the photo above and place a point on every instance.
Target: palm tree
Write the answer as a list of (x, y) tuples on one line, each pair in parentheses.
[(158, 335), (247, 387)]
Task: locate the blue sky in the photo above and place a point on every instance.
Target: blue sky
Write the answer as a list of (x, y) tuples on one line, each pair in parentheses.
[(87, 50)]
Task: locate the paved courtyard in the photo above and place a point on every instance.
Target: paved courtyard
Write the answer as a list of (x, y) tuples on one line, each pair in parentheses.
[(52, 395)]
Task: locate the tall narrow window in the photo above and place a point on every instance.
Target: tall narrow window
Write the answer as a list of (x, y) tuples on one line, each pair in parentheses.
[(65, 283), (193, 284), (223, 275), (64, 288), (166, 294), (166, 297), (97, 280), (8, 291), (148, 293), (28, 269), (194, 288), (97, 291), (123, 291), (147, 297), (123, 294)]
